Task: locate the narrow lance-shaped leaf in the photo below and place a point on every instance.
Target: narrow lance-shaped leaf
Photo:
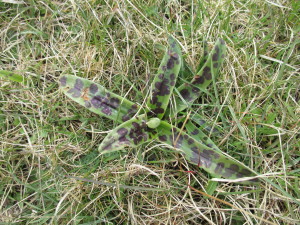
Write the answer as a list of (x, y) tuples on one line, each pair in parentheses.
[(97, 99), (11, 76), (191, 91), (205, 125), (204, 57), (131, 133), (164, 81), (199, 135), (199, 154)]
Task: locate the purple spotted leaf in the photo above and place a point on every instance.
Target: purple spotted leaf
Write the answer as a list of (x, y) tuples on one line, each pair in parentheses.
[(200, 136), (164, 81), (205, 125), (97, 99), (137, 129), (131, 133), (208, 158), (191, 91)]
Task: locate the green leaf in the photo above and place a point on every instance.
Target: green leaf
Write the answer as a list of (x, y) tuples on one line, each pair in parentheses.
[(211, 187), (191, 91), (98, 99), (199, 135), (205, 125), (11, 76), (204, 57), (131, 133), (199, 154), (164, 81)]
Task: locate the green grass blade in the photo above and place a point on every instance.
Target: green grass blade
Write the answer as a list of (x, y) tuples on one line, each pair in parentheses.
[(204, 57), (131, 133), (97, 99), (11, 76), (164, 81), (199, 154), (191, 91)]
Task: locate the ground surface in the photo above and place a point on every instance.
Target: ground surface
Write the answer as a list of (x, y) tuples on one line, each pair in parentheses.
[(46, 139)]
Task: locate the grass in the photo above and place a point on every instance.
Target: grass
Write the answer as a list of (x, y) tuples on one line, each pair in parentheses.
[(50, 171)]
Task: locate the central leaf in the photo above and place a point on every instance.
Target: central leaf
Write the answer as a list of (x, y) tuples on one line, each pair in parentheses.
[(133, 132), (164, 81)]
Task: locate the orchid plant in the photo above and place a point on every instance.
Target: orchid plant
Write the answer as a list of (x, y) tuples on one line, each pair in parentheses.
[(153, 120)]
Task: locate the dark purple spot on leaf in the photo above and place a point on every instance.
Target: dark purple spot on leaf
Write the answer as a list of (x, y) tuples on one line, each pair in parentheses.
[(219, 168), (97, 101), (93, 88), (232, 169), (207, 73), (162, 138), (137, 133), (206, 157), (78, 84), (195, 132), (175, 56), (195, 149), (172, 77), (196, 158), (216, 65), (201, 122), (63, 81), (106, 111), (158, 111), (215, 57), (198, 80), (185, 93), (190, 141), (124, 139), (244, 173), (209, 145), (154, 100), (114, 102), (158, 104), (162, 88), (125, 118), (135, 125), (170, 63), (122, 131)]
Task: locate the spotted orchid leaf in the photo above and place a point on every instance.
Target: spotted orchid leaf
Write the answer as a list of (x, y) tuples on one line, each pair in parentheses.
[(191, 91), (164, 81), (97, 99), (199, 135), (205, 125), (136, 129), (202, 155), (131, 133)]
